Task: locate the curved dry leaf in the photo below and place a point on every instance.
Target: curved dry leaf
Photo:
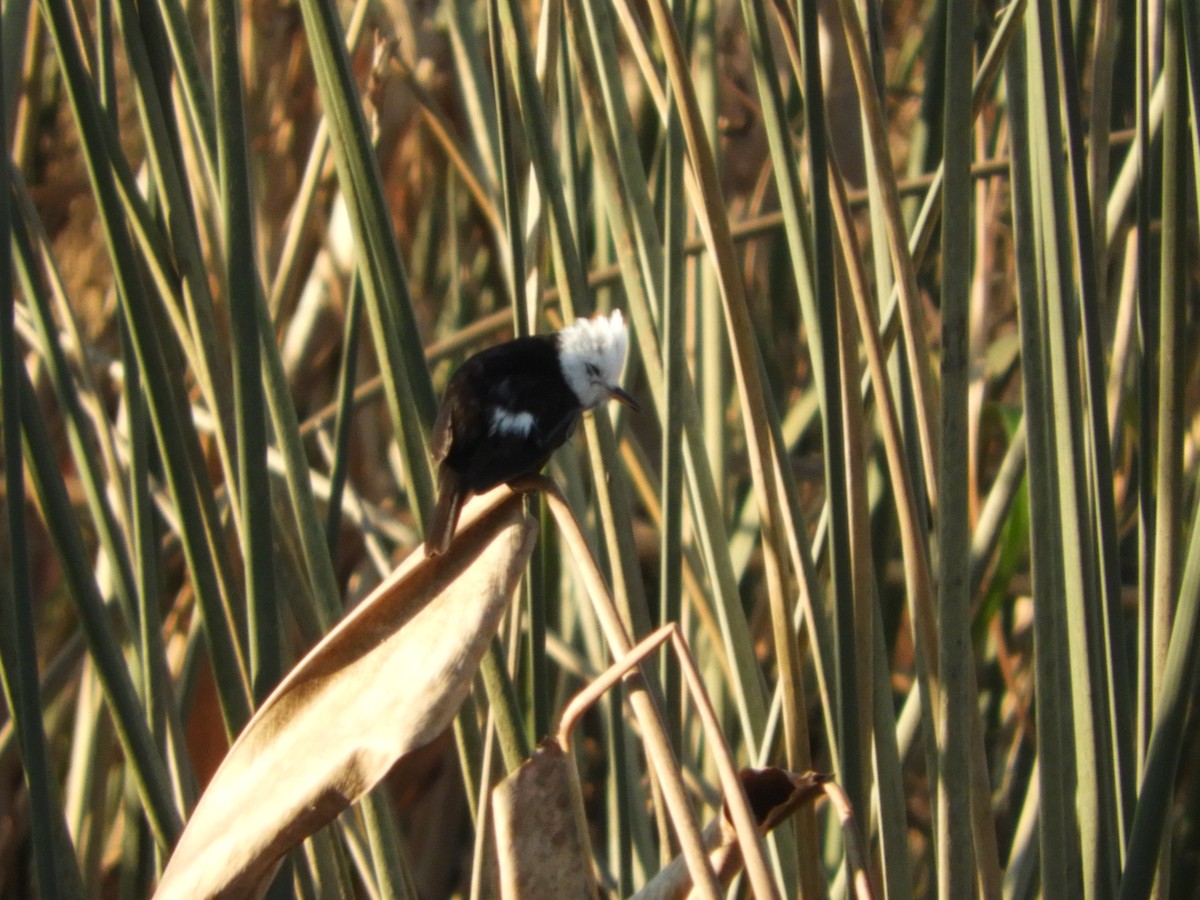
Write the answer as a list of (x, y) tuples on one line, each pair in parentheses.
[(541, 841), (387, 680), (774, 795)]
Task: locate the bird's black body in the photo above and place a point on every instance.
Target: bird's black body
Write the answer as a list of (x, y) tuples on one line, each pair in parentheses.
[(521, 378)]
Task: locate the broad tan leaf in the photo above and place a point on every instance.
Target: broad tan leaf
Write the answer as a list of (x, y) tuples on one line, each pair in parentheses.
[(387, 680), (541, 839)]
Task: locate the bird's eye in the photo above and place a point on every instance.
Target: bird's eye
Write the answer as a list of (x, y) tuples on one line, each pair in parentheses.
[(592, 370)]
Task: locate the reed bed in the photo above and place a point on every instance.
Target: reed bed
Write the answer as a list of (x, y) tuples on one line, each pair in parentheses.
[(913, 294)]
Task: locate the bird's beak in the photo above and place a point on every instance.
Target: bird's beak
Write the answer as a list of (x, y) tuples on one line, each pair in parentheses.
[(621, 396)]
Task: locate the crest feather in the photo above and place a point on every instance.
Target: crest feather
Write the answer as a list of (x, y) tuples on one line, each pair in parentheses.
[(598, 344)]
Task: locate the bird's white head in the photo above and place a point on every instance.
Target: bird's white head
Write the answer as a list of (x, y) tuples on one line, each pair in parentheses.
[(592, 355)]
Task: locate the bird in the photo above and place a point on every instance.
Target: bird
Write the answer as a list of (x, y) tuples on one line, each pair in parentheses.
[(509, 407)]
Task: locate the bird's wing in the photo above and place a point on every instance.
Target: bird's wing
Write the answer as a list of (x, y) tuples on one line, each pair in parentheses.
[(442, 435), (559, 432), (462, 412)]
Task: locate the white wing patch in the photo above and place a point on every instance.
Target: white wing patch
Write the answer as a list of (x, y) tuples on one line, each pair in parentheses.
[(511, 422)]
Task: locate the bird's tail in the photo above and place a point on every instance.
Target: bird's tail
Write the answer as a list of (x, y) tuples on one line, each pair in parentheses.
[(444, 520)]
